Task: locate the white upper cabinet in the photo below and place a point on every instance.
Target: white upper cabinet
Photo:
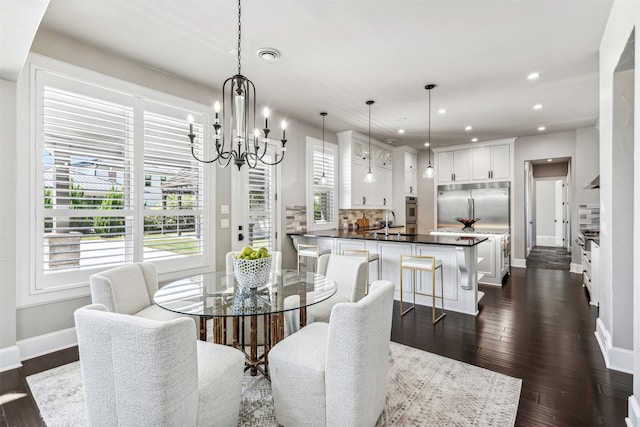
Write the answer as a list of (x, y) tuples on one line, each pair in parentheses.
[(491, 163), (354, 165), (465, 163), (454, 165), (405, 180)]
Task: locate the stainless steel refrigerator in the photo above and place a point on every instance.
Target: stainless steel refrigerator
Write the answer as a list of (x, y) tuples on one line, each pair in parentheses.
[(488, 201)]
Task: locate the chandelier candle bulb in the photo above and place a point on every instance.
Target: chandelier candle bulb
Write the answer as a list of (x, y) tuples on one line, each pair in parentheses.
[(283, 125), (190, 120), (216, 108)]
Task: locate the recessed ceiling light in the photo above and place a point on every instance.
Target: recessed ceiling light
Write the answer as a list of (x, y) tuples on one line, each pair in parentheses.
[(400, 130), (537, 107), (268, 54), (390, 140), (549, 160), (426, 144), (442, 111), (474, 139), (468, 128), (533, 76), (541, 128)]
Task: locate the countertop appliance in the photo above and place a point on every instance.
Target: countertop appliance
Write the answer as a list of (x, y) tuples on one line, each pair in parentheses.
[(488, 201)]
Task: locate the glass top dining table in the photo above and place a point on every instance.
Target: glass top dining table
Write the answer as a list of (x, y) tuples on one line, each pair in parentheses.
[(218, 296)]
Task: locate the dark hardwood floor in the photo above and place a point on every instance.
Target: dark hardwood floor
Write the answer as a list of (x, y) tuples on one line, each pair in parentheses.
[(537, 327)]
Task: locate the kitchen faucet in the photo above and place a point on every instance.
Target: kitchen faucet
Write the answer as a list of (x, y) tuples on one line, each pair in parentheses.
[(386, 221)]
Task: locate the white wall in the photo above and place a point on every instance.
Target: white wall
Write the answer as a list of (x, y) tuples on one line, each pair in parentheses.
[(624, 17), (7, 214)]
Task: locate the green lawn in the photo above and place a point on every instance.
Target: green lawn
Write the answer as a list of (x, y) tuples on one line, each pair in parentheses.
[(184, 245)]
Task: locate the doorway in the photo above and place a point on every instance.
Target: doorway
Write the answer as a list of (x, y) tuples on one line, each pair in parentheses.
[(255, 205), (547, 213)]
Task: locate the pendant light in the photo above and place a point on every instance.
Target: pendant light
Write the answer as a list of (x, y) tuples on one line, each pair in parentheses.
[(237, 139), (369, 178), (323, 179), (429, 172)]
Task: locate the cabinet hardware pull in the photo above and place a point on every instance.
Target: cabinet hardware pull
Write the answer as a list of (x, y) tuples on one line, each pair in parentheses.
[(364, 200), (411, 189)]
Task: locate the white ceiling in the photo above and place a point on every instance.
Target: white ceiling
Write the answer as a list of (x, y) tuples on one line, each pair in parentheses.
[(338, 54)]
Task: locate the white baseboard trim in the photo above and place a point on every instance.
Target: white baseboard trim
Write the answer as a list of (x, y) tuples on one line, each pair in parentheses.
[(618, 359), (517, 262), (48, 343), (576, 268), (9, 358), (633, 420)]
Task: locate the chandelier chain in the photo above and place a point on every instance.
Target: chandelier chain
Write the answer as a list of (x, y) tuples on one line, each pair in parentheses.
[(239, 35)]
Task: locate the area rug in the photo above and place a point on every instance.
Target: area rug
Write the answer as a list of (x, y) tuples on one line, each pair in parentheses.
[(424, 389)]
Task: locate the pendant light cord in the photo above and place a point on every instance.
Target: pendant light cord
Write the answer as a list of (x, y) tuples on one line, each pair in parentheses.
[(370, 102), (323, 115), (429, 126)]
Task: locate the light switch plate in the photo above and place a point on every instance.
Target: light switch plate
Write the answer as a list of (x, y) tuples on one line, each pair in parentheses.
[(224, 223), (224, 209)]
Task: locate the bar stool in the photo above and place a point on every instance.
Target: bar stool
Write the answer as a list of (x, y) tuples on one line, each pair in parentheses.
[(311, 251), (426, 263), (363, 253)]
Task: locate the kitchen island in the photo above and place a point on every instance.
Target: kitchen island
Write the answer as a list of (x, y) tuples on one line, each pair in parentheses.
[(457, 253), (493, 254)]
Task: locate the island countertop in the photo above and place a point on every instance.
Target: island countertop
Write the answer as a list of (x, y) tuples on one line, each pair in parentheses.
[(379, 235)]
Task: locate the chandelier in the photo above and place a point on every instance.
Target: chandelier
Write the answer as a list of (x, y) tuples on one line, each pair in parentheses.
[(236, 137), (429, 172)]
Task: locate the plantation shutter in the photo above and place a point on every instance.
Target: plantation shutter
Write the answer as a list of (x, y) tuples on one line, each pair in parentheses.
[(324, 196), (173, 189), (87, 174), (261, 217)]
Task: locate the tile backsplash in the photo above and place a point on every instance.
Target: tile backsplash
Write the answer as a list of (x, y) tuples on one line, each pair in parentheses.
[(589, 217), (296, 217), (348, 217)]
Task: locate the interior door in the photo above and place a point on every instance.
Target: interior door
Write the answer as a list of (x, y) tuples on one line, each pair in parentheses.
[(559, 212), (255, 207)]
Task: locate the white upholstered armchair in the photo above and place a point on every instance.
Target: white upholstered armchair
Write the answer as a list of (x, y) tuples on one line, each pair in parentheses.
[(143, 372), (129, 289), (335, 374), (350, 274)]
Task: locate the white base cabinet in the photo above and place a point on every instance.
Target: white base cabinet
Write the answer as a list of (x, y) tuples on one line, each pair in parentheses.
[(459, 269)]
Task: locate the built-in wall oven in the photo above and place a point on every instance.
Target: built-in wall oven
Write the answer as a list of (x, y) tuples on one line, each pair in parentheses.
[(411, 209), (411, 215)]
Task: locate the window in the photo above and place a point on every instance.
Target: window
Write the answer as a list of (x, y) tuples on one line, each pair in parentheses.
[(115, 179), (261, 217), (322, 200)]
